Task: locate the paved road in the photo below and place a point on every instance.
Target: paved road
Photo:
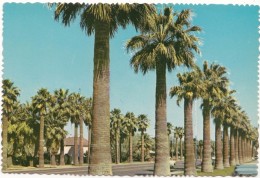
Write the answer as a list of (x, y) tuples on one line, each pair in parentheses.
[(120, 170)]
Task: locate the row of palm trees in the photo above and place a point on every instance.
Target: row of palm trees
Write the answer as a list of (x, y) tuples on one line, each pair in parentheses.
[(178, 134), (29, 127), (126, 126), (212, 86), (167, 40), (44, 119)]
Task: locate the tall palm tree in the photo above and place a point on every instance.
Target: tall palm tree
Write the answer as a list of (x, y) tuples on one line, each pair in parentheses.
[(42, 104), (10, 94), (169, 43), (103, 20), (143, 124), (216, 86), (116, 123), (189, 89), (130, 123), (62, 109)]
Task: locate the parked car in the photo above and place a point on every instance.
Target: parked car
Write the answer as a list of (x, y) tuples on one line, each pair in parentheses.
[(245, 170)]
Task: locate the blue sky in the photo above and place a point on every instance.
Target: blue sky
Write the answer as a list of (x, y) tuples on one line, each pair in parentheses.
[(40, 52)]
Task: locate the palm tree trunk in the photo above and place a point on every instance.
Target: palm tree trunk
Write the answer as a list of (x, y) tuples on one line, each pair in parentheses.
[(100, 158), (53, 159), (62, 151), (30, 161), (9, 160), (89, 142), (41, 143), (232, 147), (240, 148), (218, 145), (206, 160), (81, 161), (162, 161), (176, 149), (225, 146), (142, 146), (131, 146), (117, 147), (4, 142), (180, 148), (201, 153), (236, 146), (76, 149), (189, 158), (36, 151)]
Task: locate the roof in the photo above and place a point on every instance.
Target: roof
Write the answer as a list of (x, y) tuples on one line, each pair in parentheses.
[(70, 141)]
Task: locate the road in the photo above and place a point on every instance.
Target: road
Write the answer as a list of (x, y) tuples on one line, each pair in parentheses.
[(119, 170)]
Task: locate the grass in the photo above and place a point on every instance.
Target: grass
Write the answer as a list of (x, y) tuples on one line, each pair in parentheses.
[(224, 172)]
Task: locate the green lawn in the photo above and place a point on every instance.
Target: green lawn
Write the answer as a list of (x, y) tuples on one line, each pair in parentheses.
[(224, 172)]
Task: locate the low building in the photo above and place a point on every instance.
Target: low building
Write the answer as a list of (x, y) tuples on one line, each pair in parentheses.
[(69, 147)]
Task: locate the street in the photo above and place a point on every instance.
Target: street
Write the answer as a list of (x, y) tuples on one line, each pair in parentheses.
[(119, 170)]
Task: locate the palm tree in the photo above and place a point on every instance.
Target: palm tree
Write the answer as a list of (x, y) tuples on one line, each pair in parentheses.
[(42, 104), (147, 145), (216, 86), (189, 89), (10, 94), (169, 132), (143, 124), (181, 134), (54, 129), (103, 20), (201, 148), (176, 136), (76, 110), (88, 120), (130, 123), (116, 124), (62, 109), (221, 111), (169, 43)]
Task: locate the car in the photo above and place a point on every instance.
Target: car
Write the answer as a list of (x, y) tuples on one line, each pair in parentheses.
[(245, 170)]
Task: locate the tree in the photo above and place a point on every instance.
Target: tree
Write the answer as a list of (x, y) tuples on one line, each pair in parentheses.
[(190, 88), (20, 135), (62, 109), (116, 125), (54, 126), (143, 124), (130, 123), (221, 111), (176, 136), (76, 111), (103, 20), (215, 87), (10, 94), (42, 104), (88, 120), (147, 145), (169, 43), (200, 148), (169, 131), (181, 134)]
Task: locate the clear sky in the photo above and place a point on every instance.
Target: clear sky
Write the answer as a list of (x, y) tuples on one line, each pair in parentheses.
[(40, 52)]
